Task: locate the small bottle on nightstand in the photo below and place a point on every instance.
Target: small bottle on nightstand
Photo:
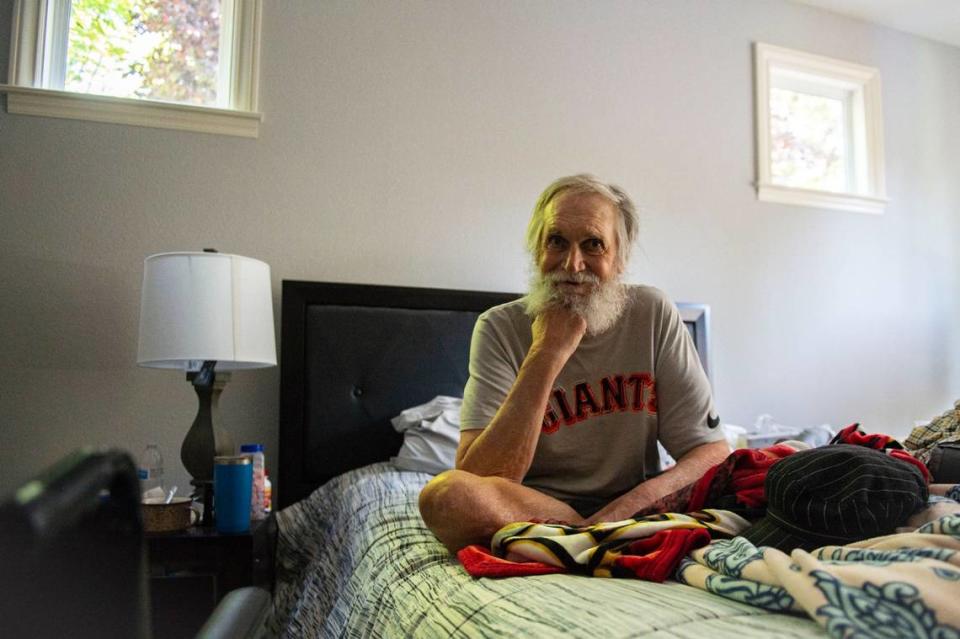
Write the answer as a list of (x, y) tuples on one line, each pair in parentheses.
[(255, 453), (267, 494), (150, 472)]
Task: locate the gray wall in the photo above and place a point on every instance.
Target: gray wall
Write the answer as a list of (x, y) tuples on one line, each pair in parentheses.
[(405, 143)]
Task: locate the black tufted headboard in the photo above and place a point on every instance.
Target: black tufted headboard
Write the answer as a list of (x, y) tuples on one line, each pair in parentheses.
[(352, 357)]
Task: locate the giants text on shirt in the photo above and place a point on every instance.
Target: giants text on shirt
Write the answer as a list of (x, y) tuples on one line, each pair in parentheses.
[(635, 392)]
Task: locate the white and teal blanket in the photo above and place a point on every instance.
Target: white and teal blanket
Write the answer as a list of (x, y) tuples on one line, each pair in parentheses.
[(901, 585)]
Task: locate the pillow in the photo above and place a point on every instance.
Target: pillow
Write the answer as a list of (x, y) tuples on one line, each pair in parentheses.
[(431, 434)]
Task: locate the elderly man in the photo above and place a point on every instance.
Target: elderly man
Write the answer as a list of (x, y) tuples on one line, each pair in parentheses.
[(572, 386)]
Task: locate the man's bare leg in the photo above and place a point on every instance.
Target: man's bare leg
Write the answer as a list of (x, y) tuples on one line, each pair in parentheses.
[(462, 508)]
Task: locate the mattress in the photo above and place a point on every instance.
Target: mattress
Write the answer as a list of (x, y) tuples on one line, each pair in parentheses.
[(355, 559)]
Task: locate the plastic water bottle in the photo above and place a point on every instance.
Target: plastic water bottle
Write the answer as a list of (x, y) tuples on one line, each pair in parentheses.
[(255, 453), (150, 472)]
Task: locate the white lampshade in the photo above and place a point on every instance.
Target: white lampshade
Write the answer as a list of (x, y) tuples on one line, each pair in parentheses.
[(206, 306)]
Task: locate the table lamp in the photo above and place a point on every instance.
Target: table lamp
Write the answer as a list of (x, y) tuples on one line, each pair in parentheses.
[(206, 313)]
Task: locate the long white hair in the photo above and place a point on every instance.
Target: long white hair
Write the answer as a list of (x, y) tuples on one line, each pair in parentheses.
[(626, 228)]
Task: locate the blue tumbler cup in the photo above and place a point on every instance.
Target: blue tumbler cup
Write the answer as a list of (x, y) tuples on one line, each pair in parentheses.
[(232, 483)]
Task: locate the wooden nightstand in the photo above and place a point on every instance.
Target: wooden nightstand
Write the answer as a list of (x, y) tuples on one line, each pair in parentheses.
[(191, 571)]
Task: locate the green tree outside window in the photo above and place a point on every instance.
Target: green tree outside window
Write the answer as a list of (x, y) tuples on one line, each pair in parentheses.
[(153, 49)]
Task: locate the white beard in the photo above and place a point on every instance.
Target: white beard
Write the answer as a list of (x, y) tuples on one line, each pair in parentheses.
[(601, 307)]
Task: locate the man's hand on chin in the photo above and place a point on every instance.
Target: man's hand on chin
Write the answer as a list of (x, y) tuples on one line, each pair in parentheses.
[(558, 330)]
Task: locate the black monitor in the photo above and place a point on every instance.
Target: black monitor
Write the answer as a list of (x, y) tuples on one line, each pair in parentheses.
[(72, 559)]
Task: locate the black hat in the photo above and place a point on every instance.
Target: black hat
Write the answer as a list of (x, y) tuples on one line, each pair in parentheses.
[(836, 495)]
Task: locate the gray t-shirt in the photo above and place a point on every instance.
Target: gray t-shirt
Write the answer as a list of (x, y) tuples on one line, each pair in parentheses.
[(620, 392)]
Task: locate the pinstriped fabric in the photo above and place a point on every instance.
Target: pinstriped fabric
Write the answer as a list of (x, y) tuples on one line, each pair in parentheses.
[(836, 494), (355, 560)]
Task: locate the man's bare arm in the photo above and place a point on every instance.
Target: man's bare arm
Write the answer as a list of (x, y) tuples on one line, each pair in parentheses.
[(505, 447), (689, 468)]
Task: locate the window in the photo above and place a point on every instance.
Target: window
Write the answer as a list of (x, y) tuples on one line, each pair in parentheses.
[(183, 64), (819, 131)]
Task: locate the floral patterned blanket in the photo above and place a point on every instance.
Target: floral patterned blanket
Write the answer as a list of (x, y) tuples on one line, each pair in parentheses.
[(900, 585)]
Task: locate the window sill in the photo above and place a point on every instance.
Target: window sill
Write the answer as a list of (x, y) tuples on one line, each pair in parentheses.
[(163, 115), (821, 199)]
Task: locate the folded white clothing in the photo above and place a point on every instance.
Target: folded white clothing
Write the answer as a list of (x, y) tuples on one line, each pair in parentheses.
[(431, 434), (439, 405)]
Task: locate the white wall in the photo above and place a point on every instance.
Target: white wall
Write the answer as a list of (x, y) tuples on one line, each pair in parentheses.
[(405, 143)]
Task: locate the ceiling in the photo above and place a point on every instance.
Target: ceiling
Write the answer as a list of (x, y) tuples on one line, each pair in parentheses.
[(935, 19)]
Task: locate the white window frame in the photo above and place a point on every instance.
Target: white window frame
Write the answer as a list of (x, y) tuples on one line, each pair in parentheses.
[(39, 34), (858, 87)]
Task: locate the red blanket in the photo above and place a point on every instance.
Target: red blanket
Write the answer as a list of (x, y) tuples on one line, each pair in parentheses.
[(652, 558)]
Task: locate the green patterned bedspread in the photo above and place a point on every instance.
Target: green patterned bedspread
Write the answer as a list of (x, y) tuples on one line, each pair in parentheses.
[(356, 560)]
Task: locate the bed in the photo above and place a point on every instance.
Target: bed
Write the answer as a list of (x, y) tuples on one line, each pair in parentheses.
[(354, 557)]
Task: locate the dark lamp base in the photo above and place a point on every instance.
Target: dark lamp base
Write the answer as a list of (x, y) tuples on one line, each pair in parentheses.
[(203, 491)]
